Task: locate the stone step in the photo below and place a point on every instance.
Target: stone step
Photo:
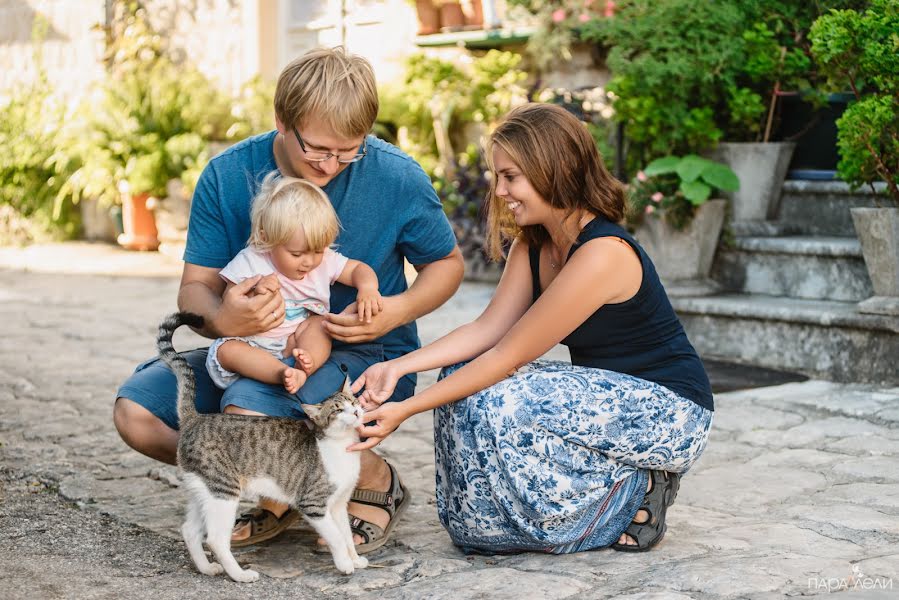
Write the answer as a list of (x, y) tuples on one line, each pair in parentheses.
[(819, 338), (822, 207), (815, 268)]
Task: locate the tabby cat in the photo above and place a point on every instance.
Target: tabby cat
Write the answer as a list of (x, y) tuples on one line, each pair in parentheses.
[(224, 458)]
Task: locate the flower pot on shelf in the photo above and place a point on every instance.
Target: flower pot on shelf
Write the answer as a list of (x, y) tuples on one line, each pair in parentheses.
[(761, 167), (451, 17), (138, 222), (878, 232), (474, 14), (683, 258), (428, 17)]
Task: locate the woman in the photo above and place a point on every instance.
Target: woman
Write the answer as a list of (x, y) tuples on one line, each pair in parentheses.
[(545, 455)]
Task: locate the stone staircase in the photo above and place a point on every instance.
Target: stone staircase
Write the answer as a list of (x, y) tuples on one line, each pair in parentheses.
[(789, 293)]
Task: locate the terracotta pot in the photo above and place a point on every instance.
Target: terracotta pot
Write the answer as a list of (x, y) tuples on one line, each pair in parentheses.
[(139, 224), (428, 17), (451, 17), (474, 14)]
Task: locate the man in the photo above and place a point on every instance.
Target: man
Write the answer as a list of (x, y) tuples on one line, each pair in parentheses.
[(325, 104)]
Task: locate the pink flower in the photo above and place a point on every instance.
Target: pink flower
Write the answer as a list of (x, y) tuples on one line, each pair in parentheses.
[(558, 15), (641, 176), (610, 9), (650, 209), (657, 197), (583, 18)]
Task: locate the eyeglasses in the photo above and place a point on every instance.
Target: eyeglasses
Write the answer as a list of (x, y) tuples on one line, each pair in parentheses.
[(317, 156)]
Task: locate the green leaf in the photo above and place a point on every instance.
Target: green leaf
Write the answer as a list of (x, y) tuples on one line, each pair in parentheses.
[(691, 167), (721, 177), (661, 166), (695, 191)]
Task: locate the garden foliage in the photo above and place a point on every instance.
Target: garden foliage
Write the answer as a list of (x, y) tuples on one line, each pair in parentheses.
[(860, 50)]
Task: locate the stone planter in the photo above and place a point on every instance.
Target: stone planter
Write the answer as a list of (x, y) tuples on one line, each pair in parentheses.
[(683, 258), (878, 232), (761, 168), (172, 215)]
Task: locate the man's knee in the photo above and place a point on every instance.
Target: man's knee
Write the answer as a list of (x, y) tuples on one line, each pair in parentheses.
[(143, 431), (134, 422)]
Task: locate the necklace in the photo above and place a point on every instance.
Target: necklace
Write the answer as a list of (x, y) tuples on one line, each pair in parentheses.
[(552, 260)]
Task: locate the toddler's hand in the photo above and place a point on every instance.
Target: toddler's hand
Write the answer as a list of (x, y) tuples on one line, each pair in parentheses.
[(267, 285), (368, 304)]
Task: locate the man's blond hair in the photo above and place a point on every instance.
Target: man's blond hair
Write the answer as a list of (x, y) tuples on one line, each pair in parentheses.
[(331, 86), (286, 204)]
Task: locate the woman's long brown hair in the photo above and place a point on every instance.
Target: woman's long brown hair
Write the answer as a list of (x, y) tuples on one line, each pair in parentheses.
[(557, 155)]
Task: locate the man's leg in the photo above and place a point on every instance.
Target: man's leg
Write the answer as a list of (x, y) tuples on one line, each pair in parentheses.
[(146, 412)]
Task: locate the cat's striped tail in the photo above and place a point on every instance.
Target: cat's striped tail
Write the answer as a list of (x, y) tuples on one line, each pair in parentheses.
[(184, 374)]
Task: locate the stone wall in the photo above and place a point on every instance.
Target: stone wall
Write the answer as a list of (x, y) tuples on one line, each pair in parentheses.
[(70, 51), (222, 37)]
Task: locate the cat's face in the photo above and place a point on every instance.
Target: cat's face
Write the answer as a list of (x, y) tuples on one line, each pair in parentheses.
[(341, 410)]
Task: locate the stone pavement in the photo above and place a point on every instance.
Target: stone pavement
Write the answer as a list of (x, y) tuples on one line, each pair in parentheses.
[(796, 495)]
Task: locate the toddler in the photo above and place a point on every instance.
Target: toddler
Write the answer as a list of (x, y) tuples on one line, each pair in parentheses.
[(293, 226)]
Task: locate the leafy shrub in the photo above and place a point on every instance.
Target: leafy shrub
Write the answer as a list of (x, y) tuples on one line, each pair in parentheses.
[(678, 186), (454, 96), (33, 164), (861, 50)]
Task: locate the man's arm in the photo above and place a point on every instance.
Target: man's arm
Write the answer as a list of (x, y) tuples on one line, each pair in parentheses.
[(232, 312), (436, 282)]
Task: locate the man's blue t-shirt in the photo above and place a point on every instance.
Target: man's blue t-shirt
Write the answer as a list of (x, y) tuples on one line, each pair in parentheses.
[(386, 204)]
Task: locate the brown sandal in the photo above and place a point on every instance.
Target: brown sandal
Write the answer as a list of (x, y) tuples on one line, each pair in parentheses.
[(264, 525), (394, 501)]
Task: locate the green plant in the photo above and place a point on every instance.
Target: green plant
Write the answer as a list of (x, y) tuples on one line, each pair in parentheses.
[(677, 186), (34, 164), (152, 118), (439, 100), (687, 77), (675, 73), (861, 49)]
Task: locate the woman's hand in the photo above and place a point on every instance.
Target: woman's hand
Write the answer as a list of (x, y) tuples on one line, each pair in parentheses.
[(379, 380), (387, 418)]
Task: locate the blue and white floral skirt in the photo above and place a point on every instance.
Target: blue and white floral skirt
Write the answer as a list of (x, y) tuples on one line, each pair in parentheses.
[(556, 457)]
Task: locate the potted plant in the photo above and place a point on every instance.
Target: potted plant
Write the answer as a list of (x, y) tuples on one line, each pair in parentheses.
[(858, 49), (677, 222), (148, 123)]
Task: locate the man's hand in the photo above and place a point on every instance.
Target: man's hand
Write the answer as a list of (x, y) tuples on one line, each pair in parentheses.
[(379, 380), (387, 418), (242, 313), (346, 326)]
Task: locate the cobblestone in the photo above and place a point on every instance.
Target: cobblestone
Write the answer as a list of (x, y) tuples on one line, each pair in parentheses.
[(797, 494)]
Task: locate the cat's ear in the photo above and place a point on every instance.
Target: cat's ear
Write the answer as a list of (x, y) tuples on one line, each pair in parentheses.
[(346, 387), (312, 410)]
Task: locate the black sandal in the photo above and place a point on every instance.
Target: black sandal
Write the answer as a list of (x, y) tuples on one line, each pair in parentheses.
[(660, 496)]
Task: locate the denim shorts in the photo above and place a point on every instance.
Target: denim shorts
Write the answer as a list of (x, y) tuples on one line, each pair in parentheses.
[(153, 385)]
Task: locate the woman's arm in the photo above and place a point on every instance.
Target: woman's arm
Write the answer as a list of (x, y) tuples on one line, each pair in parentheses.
[(510, 301), (597, 273)]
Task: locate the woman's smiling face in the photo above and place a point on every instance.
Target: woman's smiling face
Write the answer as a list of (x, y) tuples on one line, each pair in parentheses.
[(527, 206)]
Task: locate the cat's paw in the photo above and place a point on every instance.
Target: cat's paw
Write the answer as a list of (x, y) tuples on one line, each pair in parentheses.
[(212, 569), (360, 562), (344, 565), (245, 576)]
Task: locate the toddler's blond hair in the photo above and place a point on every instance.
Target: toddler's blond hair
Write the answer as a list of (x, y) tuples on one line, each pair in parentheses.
[(285, 204)]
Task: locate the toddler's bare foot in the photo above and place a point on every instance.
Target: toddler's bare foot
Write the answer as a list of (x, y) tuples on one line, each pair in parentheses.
[(293, 379), (303, 360)]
